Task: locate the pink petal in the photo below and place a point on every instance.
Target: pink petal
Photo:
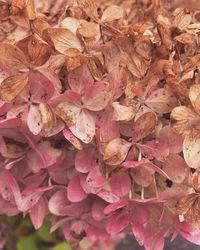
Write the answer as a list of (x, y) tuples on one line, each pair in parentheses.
[(54, 79), (14, 187), (97, 235), (7, 208), (37, 213), (58, 202), (98, 209), (84, 128), (95, 177), (85, 160), (175, 167), (117, 205), (117, 80), (79, 79), (41, 88), (107, 196), (75, 193), (116, 223), (96, 96), (120, 184), (34, 121), (174, 141), (142, 176), (10, 123), (71, 138), (156, 148)]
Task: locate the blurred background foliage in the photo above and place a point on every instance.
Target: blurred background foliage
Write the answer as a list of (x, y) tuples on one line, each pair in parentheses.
[(18, 233)]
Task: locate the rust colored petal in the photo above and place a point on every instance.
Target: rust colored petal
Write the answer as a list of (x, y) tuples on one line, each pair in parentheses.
[(12, 86)]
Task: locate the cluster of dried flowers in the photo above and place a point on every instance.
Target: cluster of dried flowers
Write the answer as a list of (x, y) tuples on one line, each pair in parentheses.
[(100, 118)]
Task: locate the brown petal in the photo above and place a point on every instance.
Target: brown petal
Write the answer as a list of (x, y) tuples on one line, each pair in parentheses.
[(113, 12), (30, 8), (89, 7), (194, 95), (191, 148), (116, 151), (38, 25), (4, 10), (38, 52), (64, 39), (144, 126), (12, 86), (12, 57), (183, 118), (189, 207), (74, 59)]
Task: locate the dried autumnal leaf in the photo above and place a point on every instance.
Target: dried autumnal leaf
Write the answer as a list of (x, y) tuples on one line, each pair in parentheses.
[(38, 52), (74, 59), (189, 207), (183, 118), (143, 126), (12, 86), (12, 57), (112, 13), (116, 151), (64, 39), (191, 146)]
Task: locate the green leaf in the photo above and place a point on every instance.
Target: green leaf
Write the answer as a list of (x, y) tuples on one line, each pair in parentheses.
[(62, 246), (26, 243), (43, 232)]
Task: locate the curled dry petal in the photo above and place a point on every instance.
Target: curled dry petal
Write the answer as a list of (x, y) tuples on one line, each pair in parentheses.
[(162, 101), (64, 39), (12, 57), (71, 138), (143, 126), (116, 151), (189, 207), (183, 118), (191, 148), (12, 86)]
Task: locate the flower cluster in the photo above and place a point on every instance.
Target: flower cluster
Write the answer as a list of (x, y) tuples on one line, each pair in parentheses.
[(100, 118)]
